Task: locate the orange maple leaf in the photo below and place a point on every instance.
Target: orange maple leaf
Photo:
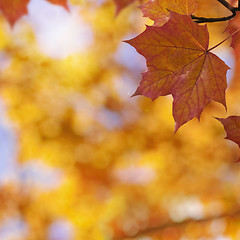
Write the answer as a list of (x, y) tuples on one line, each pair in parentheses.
[(158, 10), (179, 63), (14, 9)]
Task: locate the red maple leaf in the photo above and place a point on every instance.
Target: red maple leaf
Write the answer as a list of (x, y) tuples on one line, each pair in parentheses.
[(233, 28), (179, 63), (232, 128), (158, 10), (62, 3), (15, 9)]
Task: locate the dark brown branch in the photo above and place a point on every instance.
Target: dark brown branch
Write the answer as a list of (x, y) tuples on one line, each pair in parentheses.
[(204, 19), (221, 19), (179, 224), (227, 5)]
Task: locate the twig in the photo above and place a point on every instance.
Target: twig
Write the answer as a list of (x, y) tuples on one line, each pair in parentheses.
[(204, 19), (227, 5), (221, 19)]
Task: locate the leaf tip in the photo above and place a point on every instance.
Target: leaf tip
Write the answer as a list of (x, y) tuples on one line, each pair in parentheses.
[(127, 41), (219, 119), (67, 8), (12, 23), (117, 11), (153, 98), (177, 126), (225, 105), (137, 93), (237, 161)]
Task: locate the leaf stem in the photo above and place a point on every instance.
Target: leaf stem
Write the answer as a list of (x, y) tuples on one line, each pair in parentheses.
[(218, 44), (223, 40), (227, 5)]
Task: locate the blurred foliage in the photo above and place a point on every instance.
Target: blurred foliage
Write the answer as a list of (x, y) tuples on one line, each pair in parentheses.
[(122, 174)]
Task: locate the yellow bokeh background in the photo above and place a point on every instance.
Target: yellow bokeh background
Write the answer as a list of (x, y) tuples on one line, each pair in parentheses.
[(117, 170)]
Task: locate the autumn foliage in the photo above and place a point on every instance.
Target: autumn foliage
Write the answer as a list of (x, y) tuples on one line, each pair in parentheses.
[(179, 61), (185, 69), (91, 159)]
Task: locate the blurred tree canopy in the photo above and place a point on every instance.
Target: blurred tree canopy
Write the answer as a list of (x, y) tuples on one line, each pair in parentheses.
[(93, 163)]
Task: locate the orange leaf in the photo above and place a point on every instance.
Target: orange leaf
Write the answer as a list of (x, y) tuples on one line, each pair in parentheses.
[(14, 9), (158, 10), (62, 3), (180, 64), (120, 4), (232, 128)]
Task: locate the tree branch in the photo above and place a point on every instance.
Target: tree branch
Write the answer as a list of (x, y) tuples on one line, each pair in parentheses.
[(204, 19), (227, 5), (221, 19), (179, 224)]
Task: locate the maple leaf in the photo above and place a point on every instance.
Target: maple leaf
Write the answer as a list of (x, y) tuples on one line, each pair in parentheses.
[(179, 63), (62, 3), (158, 10), (232, 127), (120, 4), (14, 9), (233, 28)]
